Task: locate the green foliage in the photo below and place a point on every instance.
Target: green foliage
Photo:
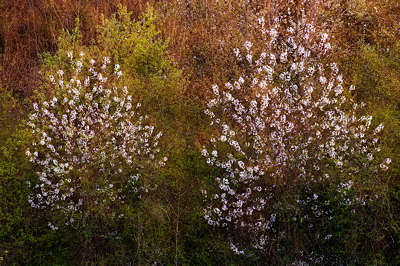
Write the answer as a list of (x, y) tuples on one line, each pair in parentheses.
[(375, 73), (171, 78), (24, 238)]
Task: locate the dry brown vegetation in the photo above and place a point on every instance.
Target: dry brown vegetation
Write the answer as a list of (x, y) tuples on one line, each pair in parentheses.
[(201, 36), (31, 27), (200, 30)]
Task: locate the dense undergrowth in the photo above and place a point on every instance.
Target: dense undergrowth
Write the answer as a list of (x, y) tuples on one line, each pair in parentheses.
[(200, 132)]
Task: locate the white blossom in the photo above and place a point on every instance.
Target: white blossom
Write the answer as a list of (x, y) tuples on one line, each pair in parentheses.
[(285, 124), (90, 131)]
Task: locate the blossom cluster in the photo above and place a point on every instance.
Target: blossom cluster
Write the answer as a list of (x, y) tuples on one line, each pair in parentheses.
[(290, 122), (90, 141)]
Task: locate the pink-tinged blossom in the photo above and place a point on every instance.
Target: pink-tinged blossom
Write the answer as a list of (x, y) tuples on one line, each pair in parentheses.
[(290, 122)]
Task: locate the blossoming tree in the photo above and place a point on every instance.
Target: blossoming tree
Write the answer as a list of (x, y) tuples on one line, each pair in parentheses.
[(286, 126), (91, 143)]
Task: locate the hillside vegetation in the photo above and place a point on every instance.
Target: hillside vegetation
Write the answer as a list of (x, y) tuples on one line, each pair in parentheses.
[(200, 132)]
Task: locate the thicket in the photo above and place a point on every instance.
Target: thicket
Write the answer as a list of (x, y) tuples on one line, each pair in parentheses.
[(200, 132)]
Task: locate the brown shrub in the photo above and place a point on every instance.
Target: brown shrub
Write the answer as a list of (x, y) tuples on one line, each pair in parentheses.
[(29, 28)]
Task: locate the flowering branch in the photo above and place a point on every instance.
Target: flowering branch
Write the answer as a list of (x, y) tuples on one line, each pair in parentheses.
[(91, 129), (290, 122)]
